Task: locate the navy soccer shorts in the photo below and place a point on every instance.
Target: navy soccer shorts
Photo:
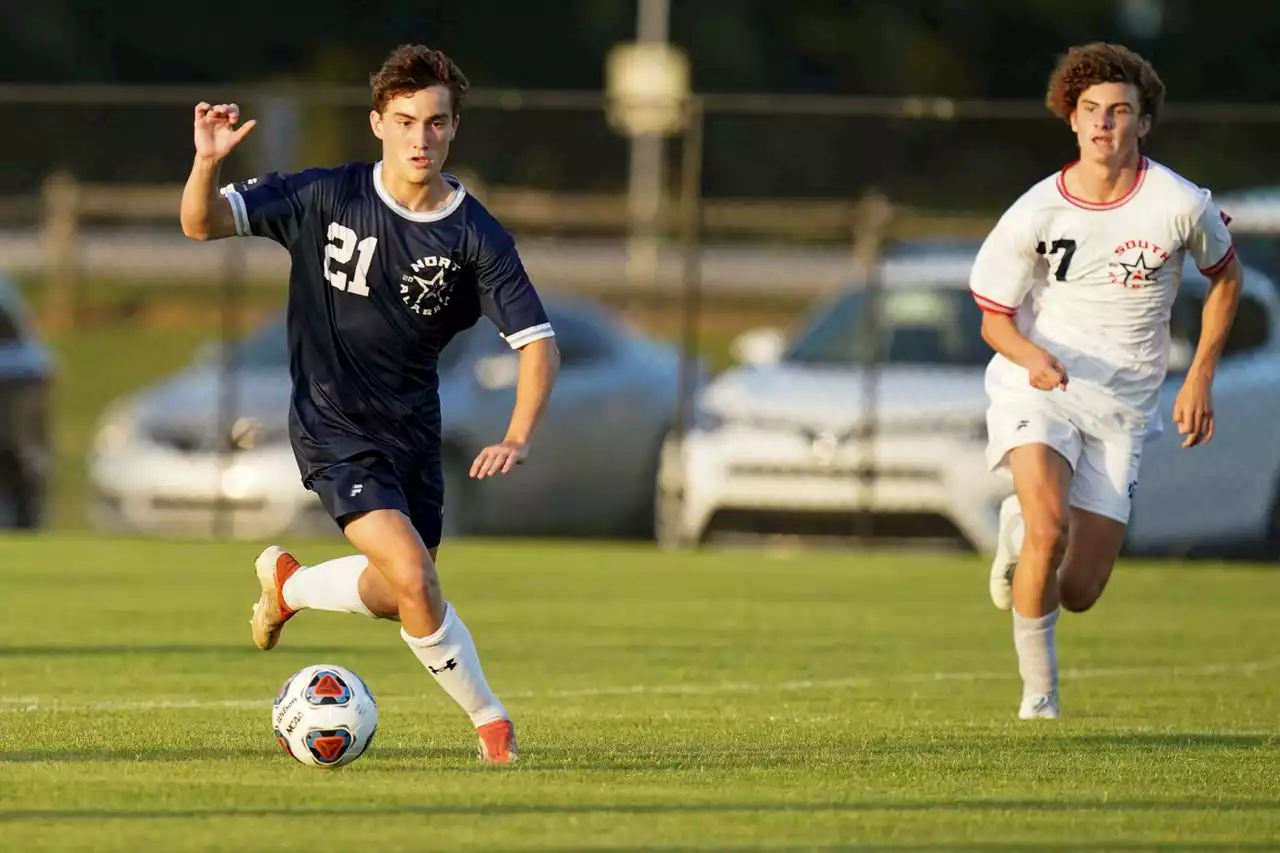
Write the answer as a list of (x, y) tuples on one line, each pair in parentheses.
[(380, 479)]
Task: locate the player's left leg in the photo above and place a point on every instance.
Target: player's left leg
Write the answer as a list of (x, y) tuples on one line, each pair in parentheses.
[(1101, 497), (452, 642), (1093, 545), (431, 626)]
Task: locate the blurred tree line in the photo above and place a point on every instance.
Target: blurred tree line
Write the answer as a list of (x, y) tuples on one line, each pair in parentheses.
[(978, 48), (955, 48)]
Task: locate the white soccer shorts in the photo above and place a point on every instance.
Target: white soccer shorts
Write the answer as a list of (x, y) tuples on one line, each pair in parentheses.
[(1104, 452)]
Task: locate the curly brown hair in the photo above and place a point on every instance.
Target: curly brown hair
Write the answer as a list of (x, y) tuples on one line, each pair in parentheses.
[(1100, 62), (413, 67)]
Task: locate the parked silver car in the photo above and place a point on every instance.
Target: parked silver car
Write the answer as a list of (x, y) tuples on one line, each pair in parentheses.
[(200, 453)]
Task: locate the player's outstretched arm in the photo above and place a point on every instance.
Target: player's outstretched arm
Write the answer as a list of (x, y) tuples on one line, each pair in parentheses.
[(539, 366), (1193, 408), (1218, 317), (205, 214), (1001, 333)]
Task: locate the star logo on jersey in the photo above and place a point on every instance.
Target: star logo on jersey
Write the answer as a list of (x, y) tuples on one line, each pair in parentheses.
[(1138, 271), (428, 286), (1137, 263)]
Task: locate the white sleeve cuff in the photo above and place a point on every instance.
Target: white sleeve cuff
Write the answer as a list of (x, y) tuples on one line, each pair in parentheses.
[(238, 210), (529, 335)]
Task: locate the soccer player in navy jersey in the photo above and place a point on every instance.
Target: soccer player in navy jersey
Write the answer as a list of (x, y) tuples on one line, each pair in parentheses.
[(389, 261)]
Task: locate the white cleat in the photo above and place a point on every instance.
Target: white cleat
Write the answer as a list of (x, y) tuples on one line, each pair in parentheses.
[(1040, 706), (1008, 545)]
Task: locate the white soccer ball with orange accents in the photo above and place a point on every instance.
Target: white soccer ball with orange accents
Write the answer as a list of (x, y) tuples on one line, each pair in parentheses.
[(325, 716)]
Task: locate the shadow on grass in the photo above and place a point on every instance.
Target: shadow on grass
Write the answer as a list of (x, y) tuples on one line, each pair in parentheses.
[(1171, 740), (519, 809), (269, 751), (557, 760), (140, 649)]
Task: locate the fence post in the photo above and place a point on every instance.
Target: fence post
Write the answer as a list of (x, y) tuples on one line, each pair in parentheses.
[(873, 215), (61, 222), (691, 260), (871, 218), (670, 491)]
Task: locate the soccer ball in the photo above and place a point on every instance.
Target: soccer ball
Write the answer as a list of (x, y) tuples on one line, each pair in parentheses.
[(324, 716)]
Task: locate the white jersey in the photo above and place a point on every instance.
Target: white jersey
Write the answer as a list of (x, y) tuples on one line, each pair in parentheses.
[(1094, 284)]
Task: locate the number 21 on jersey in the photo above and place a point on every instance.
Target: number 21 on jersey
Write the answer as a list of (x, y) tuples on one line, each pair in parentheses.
[(343, 244)]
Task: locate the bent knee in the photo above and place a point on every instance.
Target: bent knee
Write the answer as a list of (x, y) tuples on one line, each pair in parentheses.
[(412, 575), (1077, 602), (1078, 596), (1046, 533)]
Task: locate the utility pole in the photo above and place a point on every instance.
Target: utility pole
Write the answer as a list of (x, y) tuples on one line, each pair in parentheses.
[(644, 194)]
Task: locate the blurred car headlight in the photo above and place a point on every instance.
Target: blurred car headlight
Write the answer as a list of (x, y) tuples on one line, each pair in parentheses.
[(116, 430)]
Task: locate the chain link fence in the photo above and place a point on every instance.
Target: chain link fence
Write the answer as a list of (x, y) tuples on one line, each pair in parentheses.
[(771, 217)]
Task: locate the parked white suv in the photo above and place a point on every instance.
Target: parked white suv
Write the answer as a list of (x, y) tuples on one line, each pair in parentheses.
[(779, 445)]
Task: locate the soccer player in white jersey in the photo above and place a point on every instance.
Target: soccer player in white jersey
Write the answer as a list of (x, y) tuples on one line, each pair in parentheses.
[(1077, 280)]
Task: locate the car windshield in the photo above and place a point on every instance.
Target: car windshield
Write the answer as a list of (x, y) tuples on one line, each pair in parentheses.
[(914, 325)]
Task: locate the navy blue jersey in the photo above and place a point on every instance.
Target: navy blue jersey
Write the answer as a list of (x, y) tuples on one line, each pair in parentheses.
[(375, 293)]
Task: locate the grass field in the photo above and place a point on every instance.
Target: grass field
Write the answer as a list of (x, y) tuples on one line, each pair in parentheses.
[(719, 701)]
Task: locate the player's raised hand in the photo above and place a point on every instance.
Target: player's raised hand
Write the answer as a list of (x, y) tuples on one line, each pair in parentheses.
[(1046, 372), (216, 134), (1193, 411), (499, 459)]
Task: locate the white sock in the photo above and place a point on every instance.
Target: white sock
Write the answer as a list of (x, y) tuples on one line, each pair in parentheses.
[(333, 585), (450, 655), (1037, 658)]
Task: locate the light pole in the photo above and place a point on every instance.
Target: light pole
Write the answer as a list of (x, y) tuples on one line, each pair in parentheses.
[(653, 71), (649, 98), (644, 190)]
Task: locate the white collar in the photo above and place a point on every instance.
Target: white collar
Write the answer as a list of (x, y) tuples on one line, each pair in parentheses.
[(415, 215)]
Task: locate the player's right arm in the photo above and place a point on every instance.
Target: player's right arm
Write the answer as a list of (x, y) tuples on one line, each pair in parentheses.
[(1002, 275), (206, 214), (273, 205)]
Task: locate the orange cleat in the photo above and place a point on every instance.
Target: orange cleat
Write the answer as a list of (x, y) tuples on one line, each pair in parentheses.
[(274, 566), (498, 743)]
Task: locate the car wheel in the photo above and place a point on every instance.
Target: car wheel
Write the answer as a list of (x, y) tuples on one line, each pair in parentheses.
[(668, 502), (1271, 545), (639, 520), (19, 506), (10, 508)]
